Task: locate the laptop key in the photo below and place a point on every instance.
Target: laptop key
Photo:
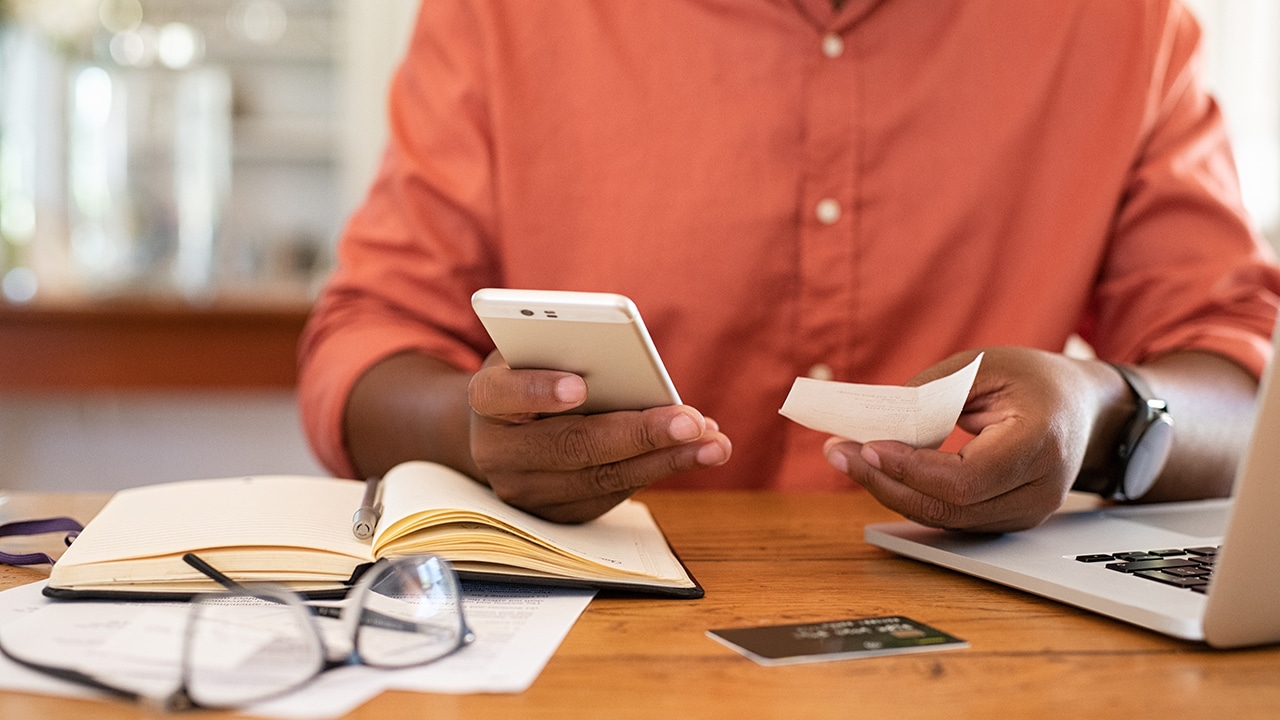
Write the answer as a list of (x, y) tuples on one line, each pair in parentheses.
[(1094, 558), (1158, 564), (1171, 579), (1206, 550), (1135, 555)]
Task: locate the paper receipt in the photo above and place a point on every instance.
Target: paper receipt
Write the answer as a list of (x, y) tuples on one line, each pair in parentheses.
[(918, 416)]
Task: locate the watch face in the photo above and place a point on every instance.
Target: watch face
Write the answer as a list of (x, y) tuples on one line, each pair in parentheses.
[(1148, 458)]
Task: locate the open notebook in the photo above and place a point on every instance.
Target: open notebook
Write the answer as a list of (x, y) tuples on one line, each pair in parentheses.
[(297, 531), (1200, 570)]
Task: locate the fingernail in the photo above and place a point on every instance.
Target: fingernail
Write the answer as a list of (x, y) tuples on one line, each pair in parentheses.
[(684, 428), (838, 461), (871, 457), (570, 390), (713, 453)]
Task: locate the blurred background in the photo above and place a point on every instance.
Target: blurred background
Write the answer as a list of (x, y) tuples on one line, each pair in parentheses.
[(203, 148), (173, 176)]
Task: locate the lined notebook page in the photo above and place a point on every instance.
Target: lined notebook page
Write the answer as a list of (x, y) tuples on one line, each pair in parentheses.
[(625, 538), (273, 510)]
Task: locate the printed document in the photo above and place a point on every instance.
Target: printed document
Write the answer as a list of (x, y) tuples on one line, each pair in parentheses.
[(518, 628)]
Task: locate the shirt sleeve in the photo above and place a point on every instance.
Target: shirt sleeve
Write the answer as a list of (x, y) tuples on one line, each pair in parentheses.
[(412, 253), (1186, 268)]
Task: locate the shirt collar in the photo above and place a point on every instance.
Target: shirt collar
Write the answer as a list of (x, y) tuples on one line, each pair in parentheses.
[(826, 18)]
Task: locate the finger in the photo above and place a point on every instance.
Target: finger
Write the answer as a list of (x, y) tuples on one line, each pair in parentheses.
[(950, 477), (913, 504), (585, 494), (499, 392), (1019, 509), (948, 490), (865, 464), (575, 442)]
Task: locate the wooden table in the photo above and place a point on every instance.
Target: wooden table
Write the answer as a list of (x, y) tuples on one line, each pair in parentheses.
[(769, 558)]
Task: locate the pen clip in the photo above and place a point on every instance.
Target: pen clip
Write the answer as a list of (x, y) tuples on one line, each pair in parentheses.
[(366, 517)]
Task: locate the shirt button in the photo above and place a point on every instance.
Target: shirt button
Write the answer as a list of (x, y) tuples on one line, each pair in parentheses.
[(832, 45), (828, 211), (821, 371)]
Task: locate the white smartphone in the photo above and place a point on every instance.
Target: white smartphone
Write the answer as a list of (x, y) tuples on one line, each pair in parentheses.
[(599, 336)]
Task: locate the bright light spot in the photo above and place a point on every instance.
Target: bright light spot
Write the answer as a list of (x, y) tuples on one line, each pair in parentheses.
[(120, 16), (258, 21), (19, 285), (179, 45), (131, 49), (93, 96)]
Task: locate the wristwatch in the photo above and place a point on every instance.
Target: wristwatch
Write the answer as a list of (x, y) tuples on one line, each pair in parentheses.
[(1143, 449)]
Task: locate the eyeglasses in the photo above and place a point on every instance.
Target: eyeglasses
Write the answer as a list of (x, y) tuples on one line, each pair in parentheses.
[(257, 642)]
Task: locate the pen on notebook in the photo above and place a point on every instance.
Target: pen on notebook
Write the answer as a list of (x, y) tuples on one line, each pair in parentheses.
[(366, 518)]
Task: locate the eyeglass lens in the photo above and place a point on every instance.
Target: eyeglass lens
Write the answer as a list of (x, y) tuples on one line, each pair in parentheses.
[(410, 615), (246, 648)]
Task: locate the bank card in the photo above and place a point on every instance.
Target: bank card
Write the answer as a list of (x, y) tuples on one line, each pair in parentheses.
[(835, 640)]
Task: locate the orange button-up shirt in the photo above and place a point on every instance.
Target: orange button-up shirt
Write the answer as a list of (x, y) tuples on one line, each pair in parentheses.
[(787, 189)]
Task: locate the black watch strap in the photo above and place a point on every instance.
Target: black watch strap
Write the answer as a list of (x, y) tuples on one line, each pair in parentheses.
[(1132, 469)]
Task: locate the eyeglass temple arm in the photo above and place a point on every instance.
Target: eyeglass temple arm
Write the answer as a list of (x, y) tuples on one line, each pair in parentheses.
[(71, 675), (217, 576), (367, 615), (212, 573)]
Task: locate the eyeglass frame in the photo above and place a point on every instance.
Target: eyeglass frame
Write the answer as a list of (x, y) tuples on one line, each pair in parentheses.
[(180, 698)]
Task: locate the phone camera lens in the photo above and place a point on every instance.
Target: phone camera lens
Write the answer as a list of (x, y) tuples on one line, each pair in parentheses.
[(526, 313)]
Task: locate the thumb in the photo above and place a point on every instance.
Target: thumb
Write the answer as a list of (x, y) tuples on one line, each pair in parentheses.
[(888, 456)]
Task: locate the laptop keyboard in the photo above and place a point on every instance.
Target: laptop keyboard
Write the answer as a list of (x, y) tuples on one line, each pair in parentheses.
[(1189, 568)]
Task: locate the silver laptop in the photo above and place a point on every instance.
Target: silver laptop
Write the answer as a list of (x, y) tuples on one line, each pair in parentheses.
[(1066, 558)]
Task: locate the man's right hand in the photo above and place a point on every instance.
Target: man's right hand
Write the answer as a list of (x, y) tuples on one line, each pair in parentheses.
[(572, 468)]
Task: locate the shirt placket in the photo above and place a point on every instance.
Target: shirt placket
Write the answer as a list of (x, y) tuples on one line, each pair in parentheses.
[(828, 211)]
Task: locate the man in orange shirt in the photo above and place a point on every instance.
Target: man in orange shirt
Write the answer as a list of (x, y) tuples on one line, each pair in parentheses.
[(866, 193)]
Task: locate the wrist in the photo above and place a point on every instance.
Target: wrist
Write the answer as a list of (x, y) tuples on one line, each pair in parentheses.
[(1113, 405), (1131, 440)]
